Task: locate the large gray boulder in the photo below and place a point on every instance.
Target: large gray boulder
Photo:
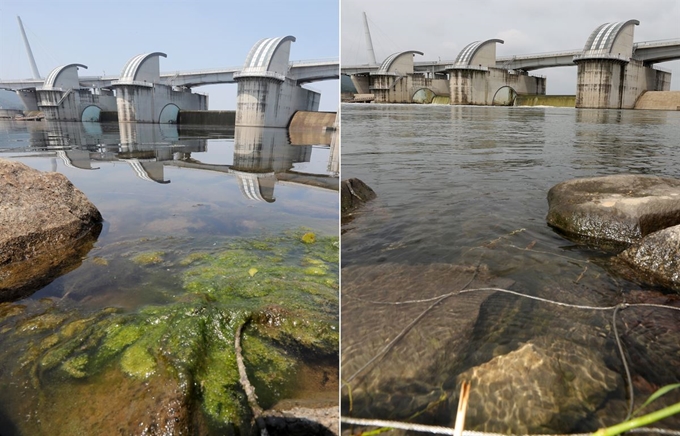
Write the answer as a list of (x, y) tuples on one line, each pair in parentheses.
[(657, 257), (44, 221), (614, 209)]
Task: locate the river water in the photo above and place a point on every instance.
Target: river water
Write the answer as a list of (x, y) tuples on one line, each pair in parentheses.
[(461, 203), (197, 220)]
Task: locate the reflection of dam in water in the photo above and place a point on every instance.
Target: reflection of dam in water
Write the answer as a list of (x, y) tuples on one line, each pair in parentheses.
[(262, 157)]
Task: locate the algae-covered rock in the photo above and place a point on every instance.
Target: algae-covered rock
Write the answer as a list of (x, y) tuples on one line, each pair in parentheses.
[(308, 238), (148, 258), (100, 261), (75, 366), (138, 362)]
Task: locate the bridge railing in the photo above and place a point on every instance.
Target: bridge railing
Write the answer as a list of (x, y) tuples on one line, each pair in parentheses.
[(313, 62), (656, 43), (538, 55), (203, 71), (587, 55)]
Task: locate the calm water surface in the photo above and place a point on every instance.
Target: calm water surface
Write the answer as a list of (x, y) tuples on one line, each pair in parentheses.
[(172, 193), (462, 196)]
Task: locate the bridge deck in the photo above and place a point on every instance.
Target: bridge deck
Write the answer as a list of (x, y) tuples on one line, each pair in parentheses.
[(302, 71), (650, 52)]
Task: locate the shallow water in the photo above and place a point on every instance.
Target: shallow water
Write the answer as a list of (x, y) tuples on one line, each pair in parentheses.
[(462, 199), (171, 196)]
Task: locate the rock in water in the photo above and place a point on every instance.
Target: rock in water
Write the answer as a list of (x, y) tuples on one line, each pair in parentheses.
[(354, 193), (620, 208), (546, 386), (657, 257), (42, 218), (405, 379)]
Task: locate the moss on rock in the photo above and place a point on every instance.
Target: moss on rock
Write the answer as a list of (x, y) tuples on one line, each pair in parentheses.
[(191, 338), (148, 258)]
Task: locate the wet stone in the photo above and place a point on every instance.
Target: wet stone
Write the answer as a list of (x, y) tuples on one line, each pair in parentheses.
[(48, 226), (618, 209), (656, 258), (421, 360), (545, 386), (353, 194)]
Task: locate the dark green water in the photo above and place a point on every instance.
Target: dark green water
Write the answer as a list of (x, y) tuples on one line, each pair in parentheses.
[(462, 200), (203, 230)]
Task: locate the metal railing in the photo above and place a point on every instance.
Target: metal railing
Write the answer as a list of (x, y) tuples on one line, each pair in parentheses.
[(269, 74), (202, 71), (656, 43), (539, 55), (314, 61), (603, 55)]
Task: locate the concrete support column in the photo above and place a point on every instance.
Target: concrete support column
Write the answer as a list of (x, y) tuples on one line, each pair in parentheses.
[(469, 86), (616, 83), (59, 105), (155, 103), (391, 88), (257, 101), (600, 83), (135, 103), (361, 83), (266, 101), (28, 98), (491, 86)]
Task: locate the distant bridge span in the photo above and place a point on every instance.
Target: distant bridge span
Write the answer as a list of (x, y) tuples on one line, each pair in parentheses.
[(301, 71), (649, 52)]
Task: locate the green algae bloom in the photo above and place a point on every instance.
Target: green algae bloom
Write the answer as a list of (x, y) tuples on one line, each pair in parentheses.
[(286, 289), (137, 362), (100, 261), (315, 271), (75, 366), (308, 238)]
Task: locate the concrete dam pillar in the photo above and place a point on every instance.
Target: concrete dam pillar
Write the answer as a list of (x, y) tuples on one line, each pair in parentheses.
[(271, 101), (469, 86), (600, 83), (29, 98), (142, 98), (62, 99), (267, 96), (392, 83), (608, 75)]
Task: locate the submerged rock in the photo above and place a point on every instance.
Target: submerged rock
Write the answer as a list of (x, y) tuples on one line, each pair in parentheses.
[(405, 379), (47, 227), (614, 209), (657, 257), (354, 193), (545, 386)]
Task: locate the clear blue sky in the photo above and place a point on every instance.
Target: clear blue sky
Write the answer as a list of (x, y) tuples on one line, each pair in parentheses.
[(194, 34)]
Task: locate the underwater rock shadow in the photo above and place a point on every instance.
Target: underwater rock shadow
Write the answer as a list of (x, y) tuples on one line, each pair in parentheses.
[(286, 425), (19, 280)]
